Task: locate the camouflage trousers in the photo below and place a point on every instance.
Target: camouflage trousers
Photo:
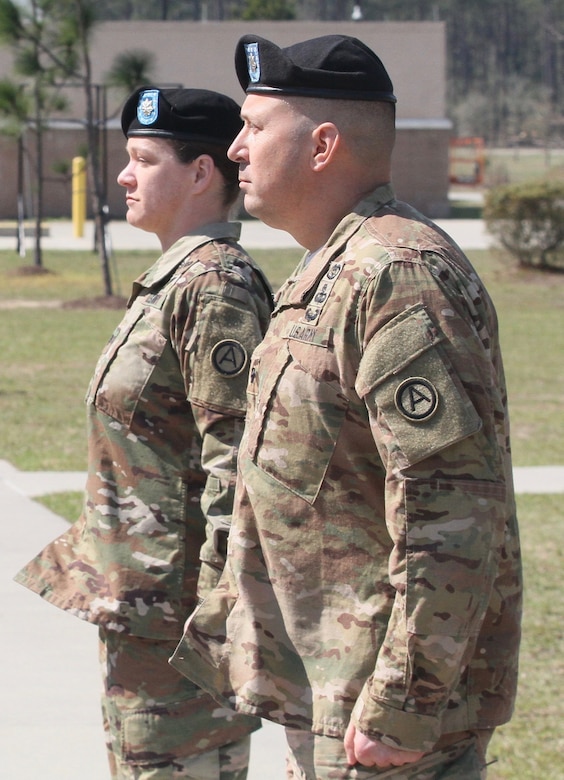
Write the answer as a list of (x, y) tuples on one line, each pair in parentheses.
[(313, 757), (158, 725)]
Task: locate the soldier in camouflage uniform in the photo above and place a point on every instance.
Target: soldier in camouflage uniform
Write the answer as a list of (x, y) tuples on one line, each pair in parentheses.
[(371, 598), (165, 413)]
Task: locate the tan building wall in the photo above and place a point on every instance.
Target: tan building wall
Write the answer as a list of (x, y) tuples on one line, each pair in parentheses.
[(200, 54)]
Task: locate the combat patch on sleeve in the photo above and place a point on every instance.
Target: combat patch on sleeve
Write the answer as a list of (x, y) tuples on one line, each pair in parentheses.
[(405, 376)]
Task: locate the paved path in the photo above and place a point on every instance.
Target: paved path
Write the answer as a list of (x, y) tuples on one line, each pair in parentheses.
[(469, 233)]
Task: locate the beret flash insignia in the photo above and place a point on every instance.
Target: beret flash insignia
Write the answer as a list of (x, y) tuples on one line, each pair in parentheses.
[(148, 107), (253, 61)]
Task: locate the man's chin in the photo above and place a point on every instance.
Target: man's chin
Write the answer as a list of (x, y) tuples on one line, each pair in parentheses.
[(256, 209), (251, 206)]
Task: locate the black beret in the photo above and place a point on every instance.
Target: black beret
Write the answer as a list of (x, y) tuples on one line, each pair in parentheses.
[(332, 66), (186, 114)]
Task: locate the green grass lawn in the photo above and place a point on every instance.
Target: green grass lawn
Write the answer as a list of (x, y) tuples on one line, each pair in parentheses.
[(504, 166), (531, 746), (512, 166), (48, 353)]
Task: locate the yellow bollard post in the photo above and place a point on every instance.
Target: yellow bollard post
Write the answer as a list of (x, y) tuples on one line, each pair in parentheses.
[(78, 195)]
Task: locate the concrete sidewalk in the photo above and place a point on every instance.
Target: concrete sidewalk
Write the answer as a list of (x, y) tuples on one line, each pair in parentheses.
[(468, 233), (50, 720)]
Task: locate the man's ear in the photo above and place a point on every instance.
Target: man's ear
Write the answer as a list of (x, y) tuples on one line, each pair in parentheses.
[(326, 139)]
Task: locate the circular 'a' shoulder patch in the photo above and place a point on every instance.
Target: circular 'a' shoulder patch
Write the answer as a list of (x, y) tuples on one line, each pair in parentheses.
[(416, 399), (229, 357)]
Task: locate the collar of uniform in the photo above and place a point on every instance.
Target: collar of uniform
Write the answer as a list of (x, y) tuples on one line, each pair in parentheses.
[(179, 251), (307, 275), (377, 199)]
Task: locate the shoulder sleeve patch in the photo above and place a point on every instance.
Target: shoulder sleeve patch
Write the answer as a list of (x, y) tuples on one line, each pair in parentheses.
[(229, 357), (228, 332), (404, 376)]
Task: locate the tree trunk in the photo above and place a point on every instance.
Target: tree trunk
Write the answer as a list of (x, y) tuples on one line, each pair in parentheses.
[(37, 250), (98, 194)]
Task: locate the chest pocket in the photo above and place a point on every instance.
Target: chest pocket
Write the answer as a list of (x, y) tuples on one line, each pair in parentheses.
[(125, 366), (296, 410)]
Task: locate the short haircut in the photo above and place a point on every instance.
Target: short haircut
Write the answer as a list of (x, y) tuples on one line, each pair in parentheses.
[(368, 126), (187, 151)]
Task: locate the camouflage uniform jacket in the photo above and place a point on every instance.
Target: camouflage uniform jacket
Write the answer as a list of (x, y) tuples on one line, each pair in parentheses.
[(165, 415), (373, 567)]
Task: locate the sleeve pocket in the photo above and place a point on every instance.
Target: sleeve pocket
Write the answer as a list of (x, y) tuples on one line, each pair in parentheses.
[(228, 334), (405, 380)]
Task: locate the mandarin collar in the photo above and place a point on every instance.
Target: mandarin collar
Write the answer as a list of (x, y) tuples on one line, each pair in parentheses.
[(169, 261), (300, 286)]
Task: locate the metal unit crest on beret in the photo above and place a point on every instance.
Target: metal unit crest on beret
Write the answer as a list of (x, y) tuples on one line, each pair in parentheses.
[(253, 61), (148, 107)]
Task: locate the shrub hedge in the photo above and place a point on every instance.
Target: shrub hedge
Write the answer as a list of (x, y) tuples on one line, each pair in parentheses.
[(528, 221)]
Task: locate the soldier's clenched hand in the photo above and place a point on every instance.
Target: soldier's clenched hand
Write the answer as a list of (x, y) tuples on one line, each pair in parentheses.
[(360, 749)]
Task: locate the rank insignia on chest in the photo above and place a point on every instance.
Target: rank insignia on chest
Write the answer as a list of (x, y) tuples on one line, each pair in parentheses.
[(229, 357)]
